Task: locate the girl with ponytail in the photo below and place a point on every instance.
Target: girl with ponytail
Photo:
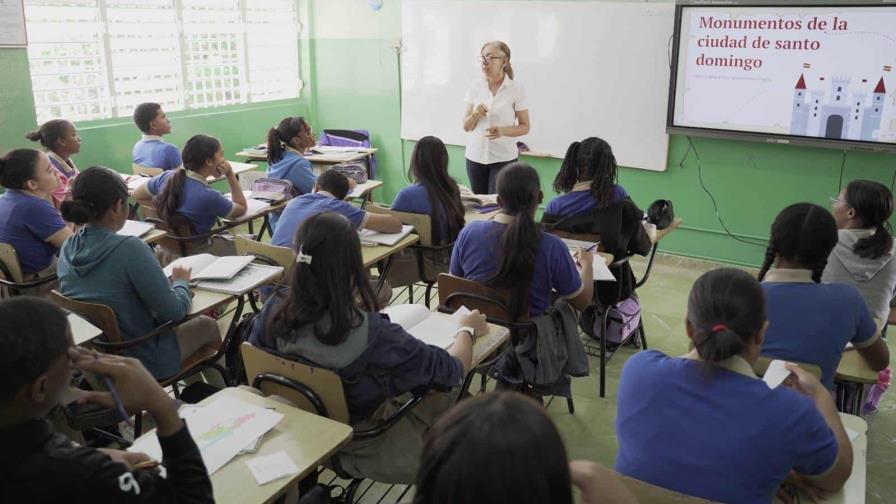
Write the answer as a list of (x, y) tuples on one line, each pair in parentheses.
[(511, 253), (186, 191), (864, 252), (61, 141), (810, 321), (287, 143), (98, 265), (704, 425)]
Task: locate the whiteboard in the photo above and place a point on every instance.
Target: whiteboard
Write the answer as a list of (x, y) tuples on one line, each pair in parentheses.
[(12, 23), (589, 69)]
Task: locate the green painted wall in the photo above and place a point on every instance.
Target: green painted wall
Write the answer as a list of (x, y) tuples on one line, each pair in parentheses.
[(352, 80)]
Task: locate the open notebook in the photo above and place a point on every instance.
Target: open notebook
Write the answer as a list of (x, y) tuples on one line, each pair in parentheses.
[(136, 228), (247, 279), (209, 267), (599, 269), (433, 328), (388, 239), (253, 206)]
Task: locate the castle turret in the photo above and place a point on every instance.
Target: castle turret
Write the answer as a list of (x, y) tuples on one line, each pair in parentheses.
[(874, 112), (799, 117)]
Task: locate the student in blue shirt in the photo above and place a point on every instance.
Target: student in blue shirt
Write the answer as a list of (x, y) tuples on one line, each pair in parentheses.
[(150, 150), (587, 179), (328, 317), (329, 195), (511, 252), (286, 145), (186, 191), (61, 139), (98, 265), (810, 321), (433, 192), (28, 220), (704, 425)]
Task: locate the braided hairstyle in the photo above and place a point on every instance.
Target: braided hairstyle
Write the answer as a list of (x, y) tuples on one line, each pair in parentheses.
[(804, 233), (591, 159)]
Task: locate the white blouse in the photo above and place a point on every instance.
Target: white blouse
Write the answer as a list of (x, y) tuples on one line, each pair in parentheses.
[(502, 108)]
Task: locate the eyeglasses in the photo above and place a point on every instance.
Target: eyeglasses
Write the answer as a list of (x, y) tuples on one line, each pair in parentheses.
[(488, 59)]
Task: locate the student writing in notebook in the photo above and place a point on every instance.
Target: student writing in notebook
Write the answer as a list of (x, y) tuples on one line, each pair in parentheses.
[(185, 192), (287, 143), (38, 465), (98, 265), (60, 138), (810, 321), (28, 220), (533, 468), (329, 195), (328, 318), (704, 425), (151, 151)]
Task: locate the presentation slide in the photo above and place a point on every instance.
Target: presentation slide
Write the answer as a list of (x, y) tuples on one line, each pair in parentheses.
[(824, 72)]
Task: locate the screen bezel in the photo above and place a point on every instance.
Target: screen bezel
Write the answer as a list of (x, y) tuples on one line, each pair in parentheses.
[(755, 136)]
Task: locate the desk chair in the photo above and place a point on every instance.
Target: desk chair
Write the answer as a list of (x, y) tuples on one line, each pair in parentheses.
[(266, 253), (146, 171), (431, 260), (12, 279), (647, 493), (181, 236), (313, 389), (589, 315), (455, 292), (104, 318)]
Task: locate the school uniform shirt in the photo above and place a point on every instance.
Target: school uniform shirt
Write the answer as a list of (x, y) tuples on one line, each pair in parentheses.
[(26, 221), (377, 360), (580, 200), (415, 199), (875, 278), (152, 152), (295, 168), (67, 171), (200, 204), (38, 465), (476, 254), (310, 204), (502, 109), (717, 433), (122, 272), (812, 323)]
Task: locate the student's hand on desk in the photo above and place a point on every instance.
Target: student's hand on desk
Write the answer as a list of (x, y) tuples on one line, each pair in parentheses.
[(790, 489), (129, 459), (181, 273), (477, 321)]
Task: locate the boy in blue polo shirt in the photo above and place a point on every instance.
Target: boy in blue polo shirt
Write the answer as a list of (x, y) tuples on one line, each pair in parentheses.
[(150, 150), (329, 195), (812, 322)]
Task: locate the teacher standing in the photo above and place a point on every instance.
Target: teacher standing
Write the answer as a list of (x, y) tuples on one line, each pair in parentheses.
[(496, 113)]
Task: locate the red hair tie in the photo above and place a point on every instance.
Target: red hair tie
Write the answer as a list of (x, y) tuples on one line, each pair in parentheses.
[(719, 328)]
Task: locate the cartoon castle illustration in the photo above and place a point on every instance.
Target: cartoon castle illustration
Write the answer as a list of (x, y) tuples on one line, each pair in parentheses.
[(840, 117)]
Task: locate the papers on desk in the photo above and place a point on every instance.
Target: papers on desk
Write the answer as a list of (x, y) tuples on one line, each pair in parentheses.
[(247, 279), (220, 430), (851, 434), (599, 269), (388, 239), (472, 200), (433, 328), (134, 182), (253, 207), (136, 228), (209, 267), (82, 330), (267, 468)]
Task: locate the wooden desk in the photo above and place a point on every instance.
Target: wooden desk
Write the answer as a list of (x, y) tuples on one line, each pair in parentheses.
[(307, 438), (154, 236), (486, 345), (237, 167), (854, 369), (329, 158), (204, 301), (373, 255), (82, 330), (364, 190)]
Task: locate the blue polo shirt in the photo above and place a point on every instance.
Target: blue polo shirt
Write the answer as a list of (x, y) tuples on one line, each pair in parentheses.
[(151, 151), (719, 434), (200, 204), (26, 221), (812, 323), (476, 254), (580, 200), (296, 169), (415, 199), (310, 204)]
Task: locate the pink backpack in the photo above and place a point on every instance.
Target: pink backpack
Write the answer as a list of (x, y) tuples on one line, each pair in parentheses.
[(623, 320)]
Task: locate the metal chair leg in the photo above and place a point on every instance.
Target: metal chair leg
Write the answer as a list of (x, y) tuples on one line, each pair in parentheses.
[(643, 335), (570, 406), (352, 490), (603, 352), (428, 293), (411, 293)]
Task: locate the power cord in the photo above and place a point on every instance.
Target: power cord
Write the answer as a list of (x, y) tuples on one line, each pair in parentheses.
[(842, 164), (712, 198)]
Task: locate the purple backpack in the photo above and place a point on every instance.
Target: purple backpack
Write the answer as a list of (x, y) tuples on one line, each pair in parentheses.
[(348, 138), (623, 320)]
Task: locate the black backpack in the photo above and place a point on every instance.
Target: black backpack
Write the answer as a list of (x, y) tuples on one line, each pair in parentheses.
[(660, 213)]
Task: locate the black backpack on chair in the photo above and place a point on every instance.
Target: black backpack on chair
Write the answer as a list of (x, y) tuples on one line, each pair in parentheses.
[(660, 213)]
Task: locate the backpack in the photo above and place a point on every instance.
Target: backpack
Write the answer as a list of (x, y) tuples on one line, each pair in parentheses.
[(272, 190), (623, 320), (233, 358), (660, 213), (354, 171)]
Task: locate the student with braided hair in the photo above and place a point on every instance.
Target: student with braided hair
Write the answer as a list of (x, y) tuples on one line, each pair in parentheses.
[(586, 180), (810, 321)]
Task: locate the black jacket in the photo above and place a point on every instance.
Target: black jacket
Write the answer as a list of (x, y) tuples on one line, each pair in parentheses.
[(621, 234), (39, 465)]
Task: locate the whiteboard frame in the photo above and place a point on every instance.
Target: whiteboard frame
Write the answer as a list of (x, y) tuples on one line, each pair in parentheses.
[(23, 40)]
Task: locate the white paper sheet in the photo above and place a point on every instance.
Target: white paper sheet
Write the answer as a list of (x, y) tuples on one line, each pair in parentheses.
[(388, 239), (775, 374), (433, 328), (135, 228), (268, 468)]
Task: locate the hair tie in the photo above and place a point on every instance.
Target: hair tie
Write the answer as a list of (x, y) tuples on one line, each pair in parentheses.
[(302, 258), (719, 328)]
